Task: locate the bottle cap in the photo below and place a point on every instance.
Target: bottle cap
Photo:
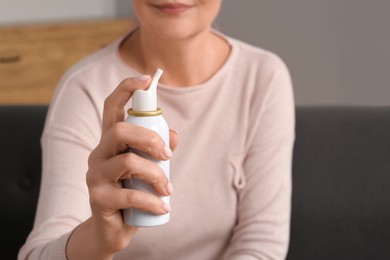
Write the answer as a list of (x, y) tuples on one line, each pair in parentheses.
[(146, 100)]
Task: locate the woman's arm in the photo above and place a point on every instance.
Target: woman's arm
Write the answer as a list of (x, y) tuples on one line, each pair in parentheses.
[(108, 165), (78, 223), (264, 198)]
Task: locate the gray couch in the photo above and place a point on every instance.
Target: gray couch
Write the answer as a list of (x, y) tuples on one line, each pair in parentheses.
[(341, 181)]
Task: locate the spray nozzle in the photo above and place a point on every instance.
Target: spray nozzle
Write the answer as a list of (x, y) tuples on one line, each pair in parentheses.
[(146, 100)]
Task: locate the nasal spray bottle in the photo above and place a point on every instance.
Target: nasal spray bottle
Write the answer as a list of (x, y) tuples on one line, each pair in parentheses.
[(146, 113)]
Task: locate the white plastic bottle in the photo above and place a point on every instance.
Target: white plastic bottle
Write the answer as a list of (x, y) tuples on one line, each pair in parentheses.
[(146, 113)]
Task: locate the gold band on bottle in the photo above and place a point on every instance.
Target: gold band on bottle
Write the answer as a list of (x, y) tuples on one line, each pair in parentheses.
[(132, 112)]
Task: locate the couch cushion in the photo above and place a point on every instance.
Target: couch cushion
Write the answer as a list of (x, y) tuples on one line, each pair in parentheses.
[(341, 182), (341, 177), (20, 154)]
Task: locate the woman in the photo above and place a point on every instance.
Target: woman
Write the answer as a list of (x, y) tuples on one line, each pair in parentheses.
[(232, 105)]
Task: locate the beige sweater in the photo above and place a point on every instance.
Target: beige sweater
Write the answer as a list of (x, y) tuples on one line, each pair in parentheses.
[(231, 170)]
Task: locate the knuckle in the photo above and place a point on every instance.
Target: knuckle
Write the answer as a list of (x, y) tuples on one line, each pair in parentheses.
[(159, 176), (153, 140), (128, 161), (118, 130), (118, 243), (131, 196), (95, 188), (91, 158), (91, 178), (95, 197)]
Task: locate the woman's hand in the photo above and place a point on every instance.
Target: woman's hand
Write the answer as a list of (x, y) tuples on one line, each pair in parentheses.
[(109, 163)]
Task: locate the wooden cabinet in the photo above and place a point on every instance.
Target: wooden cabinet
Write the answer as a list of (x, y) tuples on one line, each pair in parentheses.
[(33, 58)]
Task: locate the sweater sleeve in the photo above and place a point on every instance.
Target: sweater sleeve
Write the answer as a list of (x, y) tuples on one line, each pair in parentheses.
[(71, 131), (264, 198)]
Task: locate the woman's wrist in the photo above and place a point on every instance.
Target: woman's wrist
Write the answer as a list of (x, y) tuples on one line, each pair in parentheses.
[(84, 243)]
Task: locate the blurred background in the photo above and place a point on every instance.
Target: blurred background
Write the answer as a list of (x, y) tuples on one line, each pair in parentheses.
[(337, 51)]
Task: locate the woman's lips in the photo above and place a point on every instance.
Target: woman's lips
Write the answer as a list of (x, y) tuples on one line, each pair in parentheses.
[(172, 9)]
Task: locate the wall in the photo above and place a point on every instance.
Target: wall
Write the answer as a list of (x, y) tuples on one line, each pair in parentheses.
[(36, 11), (337, 51)]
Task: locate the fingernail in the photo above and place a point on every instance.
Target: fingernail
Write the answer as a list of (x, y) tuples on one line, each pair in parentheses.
[(173, 130), (166, 207), (167, 152), (143, 78), (170, 188)]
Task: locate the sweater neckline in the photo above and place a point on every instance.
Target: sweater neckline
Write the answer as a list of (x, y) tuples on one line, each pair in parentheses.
[(222, 71)]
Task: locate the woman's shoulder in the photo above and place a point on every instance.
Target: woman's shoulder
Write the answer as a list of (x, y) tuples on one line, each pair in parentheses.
[(90, 73), (91, 77), (93, 62), (248, 54), (262, 70)]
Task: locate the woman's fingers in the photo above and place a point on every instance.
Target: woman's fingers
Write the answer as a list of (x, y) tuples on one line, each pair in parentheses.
[(129, 165), (115, 102), (123, 135), (116, 198), (173, 139), (111, 161), (129, 198), (106, 192)]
